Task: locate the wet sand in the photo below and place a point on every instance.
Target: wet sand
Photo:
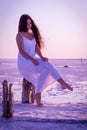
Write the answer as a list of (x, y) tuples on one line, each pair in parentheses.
[(53, 117)]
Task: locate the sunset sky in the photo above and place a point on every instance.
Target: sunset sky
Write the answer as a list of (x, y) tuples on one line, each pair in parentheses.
[(63, 24)]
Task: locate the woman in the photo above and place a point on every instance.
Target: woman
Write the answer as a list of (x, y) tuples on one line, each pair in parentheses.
[(35, 68)]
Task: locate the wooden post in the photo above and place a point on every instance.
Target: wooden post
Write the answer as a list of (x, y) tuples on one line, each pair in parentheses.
[(7, 99), (5, 90), (28, 92), (10, 100), (32, 94)]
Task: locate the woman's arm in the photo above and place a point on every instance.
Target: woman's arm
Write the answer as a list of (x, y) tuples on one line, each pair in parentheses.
[(19, 41), (38, 51)]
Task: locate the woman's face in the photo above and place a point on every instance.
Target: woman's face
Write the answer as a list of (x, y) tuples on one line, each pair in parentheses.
[(29, 24)]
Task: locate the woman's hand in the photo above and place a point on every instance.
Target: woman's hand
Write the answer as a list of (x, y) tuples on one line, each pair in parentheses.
[(35, 62), (44, 59)]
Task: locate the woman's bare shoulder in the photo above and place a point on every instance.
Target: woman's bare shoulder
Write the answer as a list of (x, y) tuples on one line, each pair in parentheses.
[(19, 36)]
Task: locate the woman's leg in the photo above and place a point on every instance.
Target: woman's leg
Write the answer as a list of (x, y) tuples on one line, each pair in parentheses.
[(39, 87), (38, 99), (57, 77), (64, 84)]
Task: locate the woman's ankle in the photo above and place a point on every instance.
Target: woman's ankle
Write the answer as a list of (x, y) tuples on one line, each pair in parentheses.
[(40, 104), (66, 86)]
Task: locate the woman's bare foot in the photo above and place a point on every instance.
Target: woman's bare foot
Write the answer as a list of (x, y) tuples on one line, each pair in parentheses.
[(66, 86), (40, 104)]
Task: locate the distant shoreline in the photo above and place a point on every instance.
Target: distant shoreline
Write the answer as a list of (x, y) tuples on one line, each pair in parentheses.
[(50, 59)]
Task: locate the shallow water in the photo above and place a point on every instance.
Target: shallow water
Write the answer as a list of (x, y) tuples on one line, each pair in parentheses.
[(74, 73)]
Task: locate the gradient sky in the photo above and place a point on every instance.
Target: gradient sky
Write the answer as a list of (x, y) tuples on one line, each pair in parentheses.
[(63, 24)]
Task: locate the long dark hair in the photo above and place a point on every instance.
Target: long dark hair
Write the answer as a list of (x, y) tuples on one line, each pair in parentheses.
[(23, 27)]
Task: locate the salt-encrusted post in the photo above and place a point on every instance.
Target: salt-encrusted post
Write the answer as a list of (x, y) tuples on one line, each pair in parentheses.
[(28, 92), (7, 99), (5, 92), (11, 100)]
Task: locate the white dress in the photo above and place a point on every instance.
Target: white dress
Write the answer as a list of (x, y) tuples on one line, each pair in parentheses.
[(40, 76)]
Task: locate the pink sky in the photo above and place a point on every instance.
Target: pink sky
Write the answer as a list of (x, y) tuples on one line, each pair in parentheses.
[(63, 24)]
